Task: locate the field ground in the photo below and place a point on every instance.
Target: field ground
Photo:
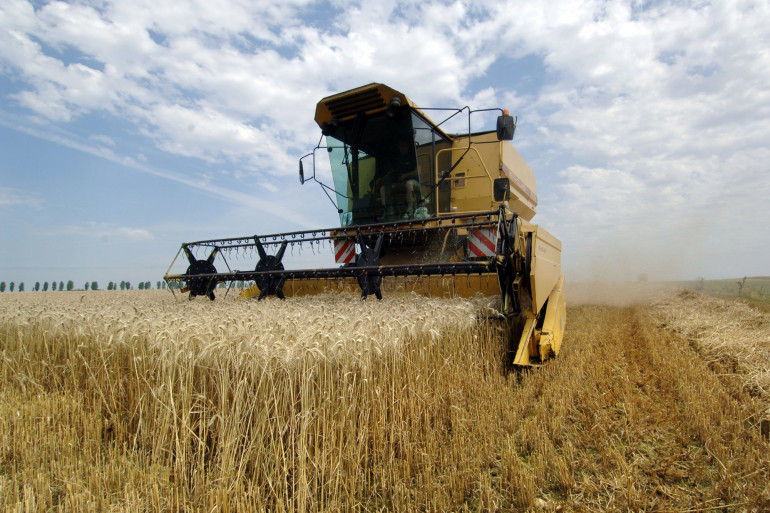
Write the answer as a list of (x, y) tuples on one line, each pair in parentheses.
[(129, 401), (751, 288)]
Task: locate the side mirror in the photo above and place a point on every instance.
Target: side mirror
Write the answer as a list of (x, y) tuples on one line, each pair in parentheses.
[(301, 173), (502, 189), (506, 126)]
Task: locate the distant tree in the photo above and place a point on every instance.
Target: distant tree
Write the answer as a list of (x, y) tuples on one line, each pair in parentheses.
[(12, 286), (740, 285), (157, 284), (45, 286), (2, 286), (147, 285), (21, 287), (86, 286), (128, 285), (70, 285), (141, 285), (53, 285), (94, 285), (37, 286)]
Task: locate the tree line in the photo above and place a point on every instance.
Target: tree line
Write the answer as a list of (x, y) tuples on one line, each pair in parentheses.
[(123, 285)]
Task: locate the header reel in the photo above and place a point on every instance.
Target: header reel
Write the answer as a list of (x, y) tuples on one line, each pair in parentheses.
[(269, 284), (431, 247), (369, 283), (200, 274)]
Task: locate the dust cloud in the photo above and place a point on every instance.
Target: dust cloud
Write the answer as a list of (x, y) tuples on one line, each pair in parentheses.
[(618, 293)]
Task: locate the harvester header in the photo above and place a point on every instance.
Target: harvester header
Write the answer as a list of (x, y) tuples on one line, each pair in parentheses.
[(421, 209)]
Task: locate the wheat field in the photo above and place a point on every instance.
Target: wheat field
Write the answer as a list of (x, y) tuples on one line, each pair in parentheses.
[(132, 401)]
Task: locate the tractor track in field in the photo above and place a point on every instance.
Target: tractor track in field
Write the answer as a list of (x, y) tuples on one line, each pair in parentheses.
[(652, 428)]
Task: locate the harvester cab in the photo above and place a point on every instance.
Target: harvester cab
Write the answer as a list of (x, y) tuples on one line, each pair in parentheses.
[(389, 161), (421, 210)]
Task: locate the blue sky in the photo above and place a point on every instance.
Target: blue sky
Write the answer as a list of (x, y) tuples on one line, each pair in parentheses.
[(129, 127)]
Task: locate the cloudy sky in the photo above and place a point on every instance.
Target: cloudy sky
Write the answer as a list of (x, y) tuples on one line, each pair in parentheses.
[(128, 127)]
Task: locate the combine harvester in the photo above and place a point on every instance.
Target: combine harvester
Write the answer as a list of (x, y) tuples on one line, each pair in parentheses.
[(420, 210)]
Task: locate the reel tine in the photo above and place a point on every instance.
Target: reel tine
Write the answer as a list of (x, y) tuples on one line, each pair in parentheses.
[(378, 246), (260, 249), (281, 251), (213, 255), (189, 254)]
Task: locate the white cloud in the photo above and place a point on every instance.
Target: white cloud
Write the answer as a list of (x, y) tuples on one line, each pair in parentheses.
[(108, 232), (11, 197), (133, 233), (663, 114), (651, 118), (102, 139)]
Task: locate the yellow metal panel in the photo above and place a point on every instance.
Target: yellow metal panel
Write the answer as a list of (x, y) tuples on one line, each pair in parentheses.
[(552, 332), (522, 356), (502, 159), (545, 265), (523, 186), (472, 179), (371, 99), (432, 286)]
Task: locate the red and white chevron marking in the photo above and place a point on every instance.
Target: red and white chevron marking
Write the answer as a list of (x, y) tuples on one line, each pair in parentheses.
[(344, 251), (482, 242)]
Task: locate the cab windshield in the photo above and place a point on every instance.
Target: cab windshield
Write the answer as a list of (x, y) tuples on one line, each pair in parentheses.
[(383, 168)]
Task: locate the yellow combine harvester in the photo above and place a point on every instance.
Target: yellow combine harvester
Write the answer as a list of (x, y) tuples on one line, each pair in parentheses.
[(420, 210)]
